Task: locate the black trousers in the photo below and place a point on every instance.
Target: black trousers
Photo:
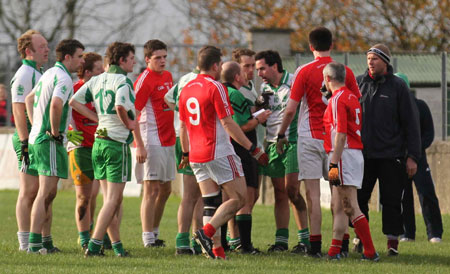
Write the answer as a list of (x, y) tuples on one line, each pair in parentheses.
[(428, 201), (391, 174)]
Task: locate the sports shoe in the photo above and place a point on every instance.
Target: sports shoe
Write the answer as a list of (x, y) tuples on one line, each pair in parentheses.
[(392, 251), (205, 242), (435, 240), (184, 251), (124, 254), (250, 250), (42, 251), (53, 250), (301, 248), (336, 257), (357, 245), (276, 248), (315, 255), (375, 257), (233, 247), (406, 239), (88, 253), (344, 254)]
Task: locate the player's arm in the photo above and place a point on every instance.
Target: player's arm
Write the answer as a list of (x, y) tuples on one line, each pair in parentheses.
[(20, 119), (56, 106), (289, 114), (83, 110), (184, 140), (169, 97), (339, 143), (254, 122), (29, 102), (123, 116), (141, 152)]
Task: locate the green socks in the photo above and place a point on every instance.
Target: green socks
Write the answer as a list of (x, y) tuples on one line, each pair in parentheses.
[(118, 248), (182, 240), (95, 246), (282, 237), (303, 236), (47, 242), (84, 237), (35, 242)]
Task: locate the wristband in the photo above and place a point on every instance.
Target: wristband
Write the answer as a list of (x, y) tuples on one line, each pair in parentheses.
[(257, 120), (281, 136), (186, 154), (252, 148)]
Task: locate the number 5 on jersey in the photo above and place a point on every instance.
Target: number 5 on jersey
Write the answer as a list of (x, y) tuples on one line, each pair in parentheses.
[(193, 107)]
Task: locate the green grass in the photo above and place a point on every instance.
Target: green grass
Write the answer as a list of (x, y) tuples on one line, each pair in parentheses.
[(415, 257)]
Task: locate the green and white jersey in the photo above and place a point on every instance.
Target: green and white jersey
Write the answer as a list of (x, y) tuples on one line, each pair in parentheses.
[(56, 82), (173, 95), (24, 81), (249, 92), (107, 90), (278, 102)]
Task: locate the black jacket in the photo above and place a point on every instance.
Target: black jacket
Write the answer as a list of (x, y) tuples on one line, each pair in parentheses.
[(426, 125), (390, 119)]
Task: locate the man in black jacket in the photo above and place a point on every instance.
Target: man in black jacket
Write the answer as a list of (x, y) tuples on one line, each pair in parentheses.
[(391, 138), (424, 183)]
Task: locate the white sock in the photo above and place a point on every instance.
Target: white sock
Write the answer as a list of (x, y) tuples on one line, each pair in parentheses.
[(23, 238), (148, 238), (156, 232)]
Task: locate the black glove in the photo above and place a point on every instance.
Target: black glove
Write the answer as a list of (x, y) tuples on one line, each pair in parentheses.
[(58, 139), (25, 157)]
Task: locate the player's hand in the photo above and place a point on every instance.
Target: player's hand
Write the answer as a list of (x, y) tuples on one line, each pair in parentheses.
[(75, 137), (411, 167), (141, 154), (282, 142), (102, 132), (58, 139), (262, 118), (259, 155), (333, 175), (131, 124), (24, 152), (184, 160)]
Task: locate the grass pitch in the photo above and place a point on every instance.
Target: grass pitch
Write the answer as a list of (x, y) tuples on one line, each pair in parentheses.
[(415, 257)]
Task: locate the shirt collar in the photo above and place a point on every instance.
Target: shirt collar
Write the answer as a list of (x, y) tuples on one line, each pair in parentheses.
[(63, 67), (32, 64), (116, 69)]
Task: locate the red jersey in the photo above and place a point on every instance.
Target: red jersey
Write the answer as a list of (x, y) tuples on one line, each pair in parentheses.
[(202, 104), (150, 89), (308, 80), (343, 115), (81, 123)]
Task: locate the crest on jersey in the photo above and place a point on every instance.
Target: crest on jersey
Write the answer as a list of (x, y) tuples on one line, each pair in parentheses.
[(20, 90)]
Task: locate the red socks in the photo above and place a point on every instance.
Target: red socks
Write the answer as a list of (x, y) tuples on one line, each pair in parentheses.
[(335, 247), (363, 231), (219, 252), (209, 230)]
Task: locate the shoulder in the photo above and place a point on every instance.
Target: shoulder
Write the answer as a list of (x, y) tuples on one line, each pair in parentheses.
[(167, 75)]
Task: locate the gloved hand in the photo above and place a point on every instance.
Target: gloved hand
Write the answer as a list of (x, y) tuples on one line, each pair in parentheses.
[(102, 132), (184, 160), (75, 137), (281, 143), (259, 155), (333, 175), (58, 139), (25, 157)]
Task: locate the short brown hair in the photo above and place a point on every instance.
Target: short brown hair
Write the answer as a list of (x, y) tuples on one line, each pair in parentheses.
[(67, 46), (24, 42), (152, 46), (89, 59), (118, 50), (207, 57), (237, 53), (231, 69)]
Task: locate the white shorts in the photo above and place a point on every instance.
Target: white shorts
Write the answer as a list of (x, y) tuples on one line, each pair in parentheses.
[(159, 166), (351, 167), (312, 159), (220, 170)]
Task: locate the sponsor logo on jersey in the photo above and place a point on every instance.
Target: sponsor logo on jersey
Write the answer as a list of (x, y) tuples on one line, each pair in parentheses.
[(20, 90)]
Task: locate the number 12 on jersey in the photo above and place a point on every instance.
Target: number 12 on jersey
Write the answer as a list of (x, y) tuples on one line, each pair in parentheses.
[(193, 107)]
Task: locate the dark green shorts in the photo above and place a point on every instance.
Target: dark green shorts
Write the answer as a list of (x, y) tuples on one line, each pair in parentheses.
[(280, 165)]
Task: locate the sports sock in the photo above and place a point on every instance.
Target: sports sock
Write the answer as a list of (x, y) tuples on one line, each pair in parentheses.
[(95, 245), (363, 231), (91, 228), (282, 237), (118, 248), (35, 241), (209, 230), (84, 237), (47, 242), (156, 232), (223, 235), (345, 242), (197, 248), (234, 242), (303, 236), (219, 252), (182, 240), (392, 241), (316, 243), (148, 238), (244, 223), (23, 238), (335, 247)]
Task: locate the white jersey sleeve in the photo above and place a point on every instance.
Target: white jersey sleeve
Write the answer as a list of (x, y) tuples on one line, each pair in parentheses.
[(63, 89), (23, 82)]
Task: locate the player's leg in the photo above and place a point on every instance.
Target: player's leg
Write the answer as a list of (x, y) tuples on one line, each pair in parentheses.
[(408, 216), (197, 223), (149, 196), (281, 210), (44, 197), (28, 188), (191, 194), (93, 201), (315, 214), (165, 188), (340, 221)]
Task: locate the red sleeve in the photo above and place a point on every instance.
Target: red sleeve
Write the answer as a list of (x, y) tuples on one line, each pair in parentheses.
[(297, 88), (221, 100), (350, 82), (341, 113), (143, 89)]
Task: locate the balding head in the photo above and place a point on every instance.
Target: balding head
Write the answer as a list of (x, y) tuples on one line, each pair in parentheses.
[(229, 71)]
